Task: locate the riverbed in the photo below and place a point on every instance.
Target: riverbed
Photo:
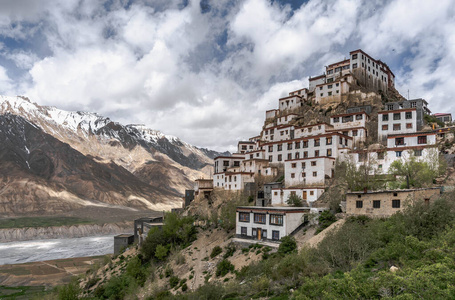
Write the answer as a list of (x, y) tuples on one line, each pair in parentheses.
[(50, 249)]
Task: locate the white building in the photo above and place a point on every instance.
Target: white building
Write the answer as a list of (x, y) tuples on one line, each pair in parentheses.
[(353, 125), (421, 145), (268, 223), (396, 122), (308, 195)]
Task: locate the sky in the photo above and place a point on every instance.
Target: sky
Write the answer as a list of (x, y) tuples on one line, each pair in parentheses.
[(206, 71)]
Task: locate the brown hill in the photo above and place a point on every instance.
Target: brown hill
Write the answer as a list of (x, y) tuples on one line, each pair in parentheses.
[(40, 174)]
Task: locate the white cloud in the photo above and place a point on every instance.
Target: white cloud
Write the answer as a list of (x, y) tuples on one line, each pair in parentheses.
[(165, 66), (6, 84)]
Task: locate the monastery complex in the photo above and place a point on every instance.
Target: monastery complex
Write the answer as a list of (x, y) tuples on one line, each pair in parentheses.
[(351, 113)]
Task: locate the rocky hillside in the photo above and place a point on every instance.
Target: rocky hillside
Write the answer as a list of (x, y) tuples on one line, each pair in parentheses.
[(55, 161), (101, 137), (40, 174)]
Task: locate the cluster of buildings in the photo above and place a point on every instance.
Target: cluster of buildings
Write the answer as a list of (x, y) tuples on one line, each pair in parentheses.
[(306, 155)]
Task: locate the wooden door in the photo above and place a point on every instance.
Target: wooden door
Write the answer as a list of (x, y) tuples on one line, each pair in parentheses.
[(304, 195), (259, 232)]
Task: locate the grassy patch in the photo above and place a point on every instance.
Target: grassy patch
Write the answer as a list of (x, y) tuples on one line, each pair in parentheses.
[(21, 292), (42, 222)]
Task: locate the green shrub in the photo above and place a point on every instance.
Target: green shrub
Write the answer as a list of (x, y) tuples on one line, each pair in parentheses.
[(173, 281), (184, 287), (326, 218), (69, 292), (215, 251), (230, 250), (176, 231), (288, 245), (224, 267), (168, 271), (136, 270), (161, 252)]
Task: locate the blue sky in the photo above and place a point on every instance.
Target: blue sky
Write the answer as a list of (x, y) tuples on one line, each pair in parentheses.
[(207, 70)]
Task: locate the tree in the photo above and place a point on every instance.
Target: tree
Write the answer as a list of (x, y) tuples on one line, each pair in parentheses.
[(415, 173), (288, 245), (161, 252), (294, 200)]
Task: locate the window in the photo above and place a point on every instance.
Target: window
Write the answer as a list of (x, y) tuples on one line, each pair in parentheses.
[(338, 69), (270, 158), (322, 95), (305, 154), (329, 80), (289, 155), (329, 152), (292, 175), (281, 132), (317, 142), (329, 86), (316, 153), (315, 174), (422, 139), (413, 104), (381, 155), (259, 218), (396, 127), (320, 88), (303, 165), (305, 144), (398, 153), (417, 152), (270, 148), (280, 158), (359, 204), (354, 66), (408, 125), (275, 235), (354, 56), (297, 155), (313, 163), (243, 231), (385, 127), (276, 219), (385, 117), (408, 115), (336, 119), (311, 193), (396, 203), (289, 146), (358, 117), (280, 147), (237, 163), (303, 174), (390, 107), (244, 217), (399, 141), (328, 141), (293, 165), (329, 93), (354, 133), (337, 84), (376, 203), (397, 116), (297, 145)]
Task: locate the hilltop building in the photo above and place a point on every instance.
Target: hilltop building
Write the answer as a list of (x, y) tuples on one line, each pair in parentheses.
[(305, 152), (385, 203), (444, 117)]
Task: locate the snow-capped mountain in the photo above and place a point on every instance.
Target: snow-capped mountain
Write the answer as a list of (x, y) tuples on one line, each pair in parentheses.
[(76, 127), (164, 164)]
